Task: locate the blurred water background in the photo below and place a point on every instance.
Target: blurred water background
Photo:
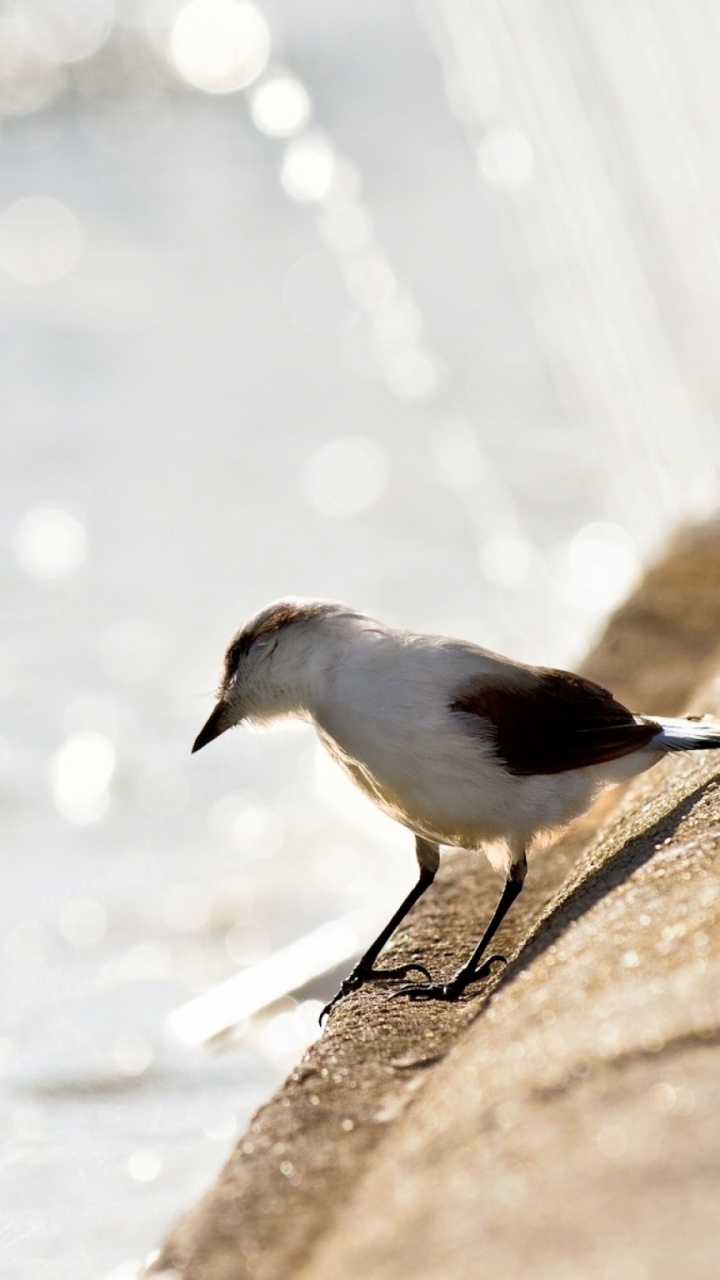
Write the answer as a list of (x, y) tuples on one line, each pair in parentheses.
[(411, 305)]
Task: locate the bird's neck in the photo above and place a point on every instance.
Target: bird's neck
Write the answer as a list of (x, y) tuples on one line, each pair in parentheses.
[(302, 682)]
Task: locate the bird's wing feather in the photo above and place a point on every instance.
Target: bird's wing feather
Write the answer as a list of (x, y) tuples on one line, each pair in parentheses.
[(545, 721)]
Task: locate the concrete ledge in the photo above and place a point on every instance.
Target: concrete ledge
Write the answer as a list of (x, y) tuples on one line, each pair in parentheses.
[(409, 1138)]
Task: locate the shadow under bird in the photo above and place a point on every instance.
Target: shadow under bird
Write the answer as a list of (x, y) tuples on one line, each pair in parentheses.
[(460, 745)]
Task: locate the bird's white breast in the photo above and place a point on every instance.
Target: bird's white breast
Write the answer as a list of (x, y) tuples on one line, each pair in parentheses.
[(386, 719)]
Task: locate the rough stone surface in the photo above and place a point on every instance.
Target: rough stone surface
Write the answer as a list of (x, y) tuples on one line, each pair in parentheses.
[(561, 1119)]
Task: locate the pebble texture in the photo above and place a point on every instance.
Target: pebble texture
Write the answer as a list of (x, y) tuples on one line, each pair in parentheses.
[(563, 1121)]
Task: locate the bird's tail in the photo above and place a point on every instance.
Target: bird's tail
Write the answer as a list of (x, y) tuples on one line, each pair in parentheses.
[(686, 735)]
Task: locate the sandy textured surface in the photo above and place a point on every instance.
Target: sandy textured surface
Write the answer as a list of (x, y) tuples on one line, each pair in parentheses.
[(568, 1121)]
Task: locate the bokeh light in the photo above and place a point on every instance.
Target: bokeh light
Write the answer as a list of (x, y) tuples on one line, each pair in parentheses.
[(50, 543), (81, 773), (65, 30), (506, 157), (258, 832), (132, 1056), (251, 827), (129, 1269), (144, 1165), (40, 240), (284, 1038), (603, 563), (414, 374), (346, 476), (220, 46), (505, 559), (225, 812), (27, 82), (280, 106), (247, 943), (221, 1129), (308, 167), (145, 963)]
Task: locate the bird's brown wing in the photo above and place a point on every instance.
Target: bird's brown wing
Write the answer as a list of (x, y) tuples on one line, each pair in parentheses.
[(546, 721)]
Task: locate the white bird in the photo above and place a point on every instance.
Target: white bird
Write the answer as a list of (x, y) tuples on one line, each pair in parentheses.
[(457, 743)]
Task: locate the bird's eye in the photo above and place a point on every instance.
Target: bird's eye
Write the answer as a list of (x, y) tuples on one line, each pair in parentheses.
[(235, 653)]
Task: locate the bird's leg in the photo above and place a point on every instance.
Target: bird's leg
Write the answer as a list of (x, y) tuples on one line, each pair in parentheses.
[(428, 856), (473, 969)]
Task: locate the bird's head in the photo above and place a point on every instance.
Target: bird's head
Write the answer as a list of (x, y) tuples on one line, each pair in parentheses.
[(272, 663)]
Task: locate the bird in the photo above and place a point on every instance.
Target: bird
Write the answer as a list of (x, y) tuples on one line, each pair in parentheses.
[(460, 745)]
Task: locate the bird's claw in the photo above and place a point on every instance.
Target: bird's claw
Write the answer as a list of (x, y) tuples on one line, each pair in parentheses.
[(447, 991), (485, 968), (359, 977), (328, 1008), (351, 983)]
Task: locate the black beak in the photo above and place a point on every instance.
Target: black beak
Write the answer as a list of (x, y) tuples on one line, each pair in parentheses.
[(217, 724)]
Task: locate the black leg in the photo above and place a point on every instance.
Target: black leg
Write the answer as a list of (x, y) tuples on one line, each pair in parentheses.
[(473, 969), (364, 971)]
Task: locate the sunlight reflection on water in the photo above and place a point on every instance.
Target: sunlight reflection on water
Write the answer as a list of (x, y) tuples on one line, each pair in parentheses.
[(50, 543), (220, 46), (281, 105)]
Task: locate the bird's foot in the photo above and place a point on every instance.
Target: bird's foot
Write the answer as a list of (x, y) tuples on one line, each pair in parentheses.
[(365, 973), (448, 991)]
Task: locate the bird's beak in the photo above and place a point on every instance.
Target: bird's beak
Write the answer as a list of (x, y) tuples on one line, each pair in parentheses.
[(218, 722)]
